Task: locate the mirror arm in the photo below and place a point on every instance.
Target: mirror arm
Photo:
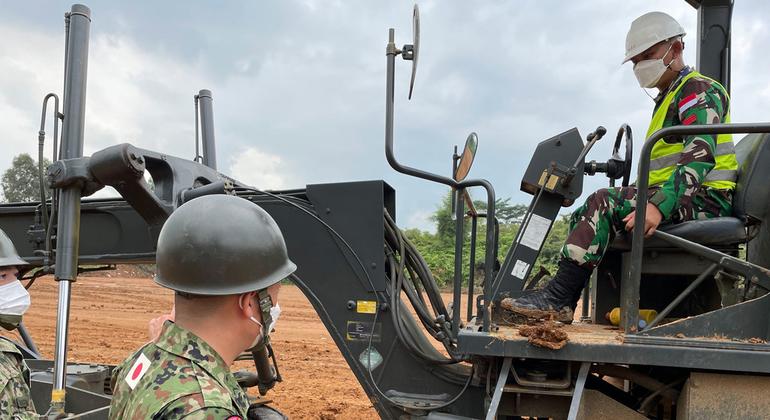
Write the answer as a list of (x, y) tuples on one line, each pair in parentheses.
[(391, 51)]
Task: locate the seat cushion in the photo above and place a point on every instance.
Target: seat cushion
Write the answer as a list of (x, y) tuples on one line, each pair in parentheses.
[(722, 231)]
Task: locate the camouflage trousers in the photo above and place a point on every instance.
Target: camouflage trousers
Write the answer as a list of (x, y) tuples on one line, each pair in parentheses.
[(594, 225)]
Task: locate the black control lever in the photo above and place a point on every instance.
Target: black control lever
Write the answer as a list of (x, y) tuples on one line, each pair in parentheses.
[(267, 374), (591, 138), (600, 131)]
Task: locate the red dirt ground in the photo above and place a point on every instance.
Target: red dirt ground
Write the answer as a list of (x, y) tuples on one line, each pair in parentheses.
[(109, 318)]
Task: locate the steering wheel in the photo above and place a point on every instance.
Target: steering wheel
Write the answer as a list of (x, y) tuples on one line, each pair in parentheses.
[(617, 167)]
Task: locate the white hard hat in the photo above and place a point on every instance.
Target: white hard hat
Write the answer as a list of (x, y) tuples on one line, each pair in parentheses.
[(648, 30)]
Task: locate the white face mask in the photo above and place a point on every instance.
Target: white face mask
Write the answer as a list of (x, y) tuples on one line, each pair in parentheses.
[(14, 299), (275, 313), (649, 72)]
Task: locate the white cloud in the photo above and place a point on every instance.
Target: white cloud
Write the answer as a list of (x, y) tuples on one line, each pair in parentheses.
[(299, 95), (261, 170), (420, 219), (133, 94)]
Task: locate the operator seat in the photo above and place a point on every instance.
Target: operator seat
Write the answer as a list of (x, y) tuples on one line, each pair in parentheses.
[(667, 270), (751, 201)]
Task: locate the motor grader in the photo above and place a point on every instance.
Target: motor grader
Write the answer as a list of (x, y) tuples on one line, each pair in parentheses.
[(705, 354)]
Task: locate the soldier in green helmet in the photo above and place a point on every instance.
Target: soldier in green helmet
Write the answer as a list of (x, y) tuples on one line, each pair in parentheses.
[(224, 256), (15, 400), (691, 177)]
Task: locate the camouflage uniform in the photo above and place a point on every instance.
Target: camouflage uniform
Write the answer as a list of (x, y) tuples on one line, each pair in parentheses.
[(186, 379), (15, 400), (680, 198)]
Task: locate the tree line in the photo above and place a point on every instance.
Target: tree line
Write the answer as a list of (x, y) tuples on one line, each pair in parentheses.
[(438, 248)]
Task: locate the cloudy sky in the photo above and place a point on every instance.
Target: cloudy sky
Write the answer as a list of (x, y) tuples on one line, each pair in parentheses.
[(299, 86)]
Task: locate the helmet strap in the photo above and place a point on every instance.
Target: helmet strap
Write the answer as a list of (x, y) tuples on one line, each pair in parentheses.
[(265, 304)]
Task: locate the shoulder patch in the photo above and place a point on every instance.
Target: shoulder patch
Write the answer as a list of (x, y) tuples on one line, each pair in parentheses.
[(235, 418), (138, 369)]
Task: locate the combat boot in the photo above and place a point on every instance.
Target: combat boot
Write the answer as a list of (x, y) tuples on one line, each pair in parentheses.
[(558, 297)]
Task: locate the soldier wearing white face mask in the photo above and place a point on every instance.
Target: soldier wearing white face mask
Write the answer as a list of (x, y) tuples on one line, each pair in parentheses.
[(691, 177), (224, 257), (15, 400)]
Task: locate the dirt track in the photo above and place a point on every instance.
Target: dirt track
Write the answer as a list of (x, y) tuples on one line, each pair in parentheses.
[(109, 318)]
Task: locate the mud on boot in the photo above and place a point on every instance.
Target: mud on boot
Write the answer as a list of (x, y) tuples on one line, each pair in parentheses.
[(555, 301), (518, 313)]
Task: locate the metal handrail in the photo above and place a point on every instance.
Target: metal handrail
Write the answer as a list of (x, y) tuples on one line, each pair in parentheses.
[(629, 290)]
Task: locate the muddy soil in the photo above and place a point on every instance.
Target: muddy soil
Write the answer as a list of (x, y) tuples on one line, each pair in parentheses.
[(547, 334), (109, 318)]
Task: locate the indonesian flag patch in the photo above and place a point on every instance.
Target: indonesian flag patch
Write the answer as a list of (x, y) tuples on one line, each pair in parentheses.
[(687, 102), (140, 367)]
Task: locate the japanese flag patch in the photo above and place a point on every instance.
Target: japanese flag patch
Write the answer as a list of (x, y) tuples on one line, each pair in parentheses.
[(140, 367)]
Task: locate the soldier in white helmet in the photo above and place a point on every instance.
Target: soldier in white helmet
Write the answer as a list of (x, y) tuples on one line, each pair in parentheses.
[(691, 177)]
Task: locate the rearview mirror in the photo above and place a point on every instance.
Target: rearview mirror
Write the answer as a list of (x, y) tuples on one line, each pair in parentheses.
[(466, 159), (412, 52)]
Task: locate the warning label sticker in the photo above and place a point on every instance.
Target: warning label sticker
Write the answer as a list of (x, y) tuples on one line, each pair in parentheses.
[(536, 230), (366, 306), (361, 331), (520, 269)]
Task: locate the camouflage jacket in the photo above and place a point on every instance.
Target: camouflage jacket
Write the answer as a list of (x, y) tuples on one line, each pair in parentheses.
[(178, 376), (697, 157), (15, 400)]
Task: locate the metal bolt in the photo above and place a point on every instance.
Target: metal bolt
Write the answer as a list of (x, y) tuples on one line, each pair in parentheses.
[(374, 265), (351, 305), (328, 210)]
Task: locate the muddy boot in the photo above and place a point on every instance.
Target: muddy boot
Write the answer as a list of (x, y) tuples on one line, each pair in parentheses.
[(557, 299)]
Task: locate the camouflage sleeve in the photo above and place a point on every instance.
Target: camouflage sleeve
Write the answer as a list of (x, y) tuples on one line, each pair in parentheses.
[(15, 399), (212, 413), (698, 102), (197, 407)]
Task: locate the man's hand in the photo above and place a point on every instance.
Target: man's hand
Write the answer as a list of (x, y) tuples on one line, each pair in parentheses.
[(156, 324), (651, 221)]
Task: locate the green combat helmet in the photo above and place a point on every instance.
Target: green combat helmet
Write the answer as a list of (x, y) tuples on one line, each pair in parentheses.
[(8, 254), (221, 245)]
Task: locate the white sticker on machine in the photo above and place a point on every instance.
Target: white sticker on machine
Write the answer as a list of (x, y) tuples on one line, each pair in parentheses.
[(536, 230), (520, 269)]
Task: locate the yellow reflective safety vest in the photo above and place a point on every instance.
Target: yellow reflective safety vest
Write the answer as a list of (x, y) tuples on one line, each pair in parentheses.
[(665, 156)]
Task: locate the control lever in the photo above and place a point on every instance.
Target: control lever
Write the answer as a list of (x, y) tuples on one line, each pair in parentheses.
[(267, 374), (591, 138)]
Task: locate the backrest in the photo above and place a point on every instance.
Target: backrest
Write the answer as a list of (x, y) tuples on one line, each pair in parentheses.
[(752, 195)]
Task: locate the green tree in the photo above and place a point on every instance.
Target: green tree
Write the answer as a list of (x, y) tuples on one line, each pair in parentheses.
[(21, 182), (438, 249), (445, 221), (504, 210)]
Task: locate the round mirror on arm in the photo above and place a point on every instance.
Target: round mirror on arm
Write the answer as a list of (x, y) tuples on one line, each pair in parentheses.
[(466, 158)]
